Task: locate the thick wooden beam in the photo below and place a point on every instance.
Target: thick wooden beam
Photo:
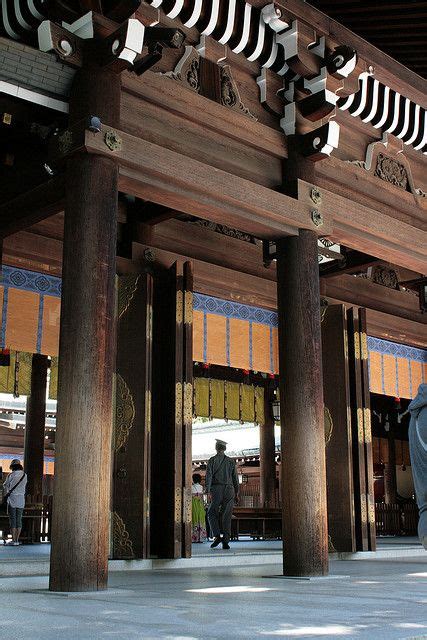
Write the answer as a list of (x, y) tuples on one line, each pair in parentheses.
[(365, 293), (371, 231), (32, 206), (305, 529), (157, 174), (352, 262), (32, 251), (195, 188)]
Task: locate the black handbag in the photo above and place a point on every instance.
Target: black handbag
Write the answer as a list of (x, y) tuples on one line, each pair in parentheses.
[(3, 505)]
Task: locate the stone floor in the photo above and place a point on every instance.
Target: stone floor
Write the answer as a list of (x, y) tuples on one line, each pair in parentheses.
[(255, 547), (370, 600)]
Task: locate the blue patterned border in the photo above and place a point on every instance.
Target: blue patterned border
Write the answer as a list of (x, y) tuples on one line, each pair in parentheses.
[(31, 281), (385, 347), (228, 309)]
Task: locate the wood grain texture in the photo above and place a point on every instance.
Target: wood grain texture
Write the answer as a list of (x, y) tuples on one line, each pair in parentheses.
[(80, 526), (301, 404)]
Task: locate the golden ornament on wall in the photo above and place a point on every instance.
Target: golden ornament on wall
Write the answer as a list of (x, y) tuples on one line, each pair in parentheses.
[(122, 544), (328, 422), (125, 413)]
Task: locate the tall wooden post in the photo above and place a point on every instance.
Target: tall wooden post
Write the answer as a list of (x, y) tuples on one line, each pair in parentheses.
[(80, 528), (301, 405), (390, 476), (267, 450), (35, 427)]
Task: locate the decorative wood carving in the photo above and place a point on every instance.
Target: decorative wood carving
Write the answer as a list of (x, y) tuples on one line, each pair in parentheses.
[(230, 96), (126, 291), (125, 413), (123, 547), (329, 424), (393, 167), (392, 171), (224, 230), (385, 276), (187, 71)]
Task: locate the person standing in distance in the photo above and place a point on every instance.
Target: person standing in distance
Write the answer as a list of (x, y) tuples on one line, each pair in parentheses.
[(14, 490), (222, 486)]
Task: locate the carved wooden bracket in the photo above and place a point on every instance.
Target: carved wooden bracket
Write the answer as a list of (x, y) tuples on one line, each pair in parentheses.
[(210, 79), (386, 160), (315, 80)]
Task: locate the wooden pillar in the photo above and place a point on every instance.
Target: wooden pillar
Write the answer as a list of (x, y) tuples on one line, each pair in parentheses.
[(390, 476), (80, 527), (35, 428), (301, 406), (170, 522), (267, 455)]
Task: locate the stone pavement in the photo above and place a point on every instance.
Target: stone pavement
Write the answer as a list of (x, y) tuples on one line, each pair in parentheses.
[(33, 560), (379, 599)]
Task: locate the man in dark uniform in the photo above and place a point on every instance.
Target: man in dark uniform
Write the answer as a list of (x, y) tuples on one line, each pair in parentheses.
[(222, 486)]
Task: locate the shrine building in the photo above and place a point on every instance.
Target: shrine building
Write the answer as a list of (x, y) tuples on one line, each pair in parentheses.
[(212, 212)]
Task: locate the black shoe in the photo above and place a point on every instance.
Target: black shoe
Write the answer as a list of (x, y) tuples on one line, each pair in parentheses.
[(216, 542), (225, 544)]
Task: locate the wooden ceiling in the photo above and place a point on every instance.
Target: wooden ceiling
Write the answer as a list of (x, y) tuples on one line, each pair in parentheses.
[(397, 27)]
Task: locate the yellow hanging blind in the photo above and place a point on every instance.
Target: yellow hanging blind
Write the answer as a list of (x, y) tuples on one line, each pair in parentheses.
[(259, 405), (7, 375), (232, 403), (24, 373), (19, 369), (201, 397), (247, 403), (53, 383), (217, 399)]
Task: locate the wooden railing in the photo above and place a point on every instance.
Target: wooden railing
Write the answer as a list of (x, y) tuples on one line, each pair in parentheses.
[(250, 496), (391, 519), (36, 521), (396, 519)]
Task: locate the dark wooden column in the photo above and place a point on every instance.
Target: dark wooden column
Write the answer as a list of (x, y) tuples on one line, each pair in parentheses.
[(35, 428), (390, 476), (267, 458), (170, 523), (301, 405), (80, 527)]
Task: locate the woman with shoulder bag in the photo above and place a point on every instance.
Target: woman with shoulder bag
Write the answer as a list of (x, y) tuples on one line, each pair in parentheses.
[(14, 491)]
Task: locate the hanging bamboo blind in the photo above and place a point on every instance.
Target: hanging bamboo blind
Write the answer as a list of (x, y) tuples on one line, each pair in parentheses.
[(228, 400)]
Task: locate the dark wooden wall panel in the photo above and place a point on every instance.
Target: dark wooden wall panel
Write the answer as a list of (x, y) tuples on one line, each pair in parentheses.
[(339, 463), (131, 479)]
